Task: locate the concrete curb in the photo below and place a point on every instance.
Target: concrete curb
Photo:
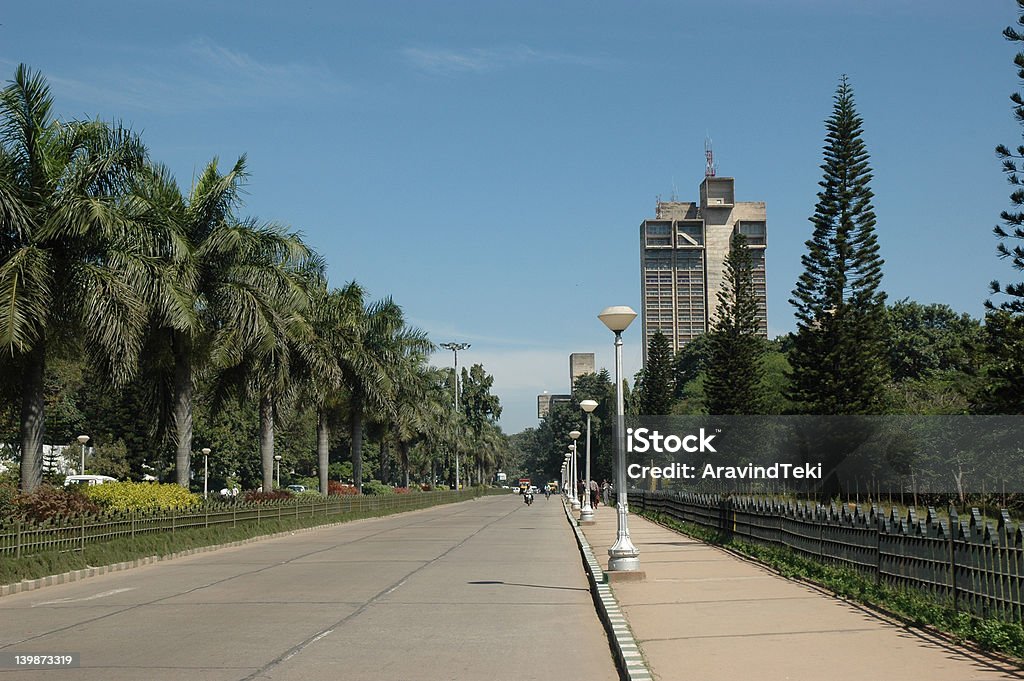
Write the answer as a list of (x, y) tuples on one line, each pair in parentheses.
[(632, 666), (76, 575)]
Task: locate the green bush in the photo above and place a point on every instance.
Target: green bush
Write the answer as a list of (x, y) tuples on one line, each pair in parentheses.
[(8, 500), (377, 487), (310, 495), (142, 496)]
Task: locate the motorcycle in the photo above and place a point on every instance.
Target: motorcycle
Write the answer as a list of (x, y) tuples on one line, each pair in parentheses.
[(527, 498)]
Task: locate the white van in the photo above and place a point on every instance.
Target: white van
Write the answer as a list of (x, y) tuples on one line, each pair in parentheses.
[(87, 480)]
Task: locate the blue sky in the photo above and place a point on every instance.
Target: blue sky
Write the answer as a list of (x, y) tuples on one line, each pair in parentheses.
[(487, 164)]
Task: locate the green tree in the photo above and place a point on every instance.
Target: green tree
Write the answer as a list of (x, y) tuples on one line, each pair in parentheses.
[(735, 375), (656, 387), (1003, 389), (264, 365), (839, 361), (71, 265), (601, 388), (378, 339), (480, 409), (1013, 220), (421, 405), (929, 339)]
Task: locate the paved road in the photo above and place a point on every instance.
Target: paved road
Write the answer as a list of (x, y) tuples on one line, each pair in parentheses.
[(483, 590)]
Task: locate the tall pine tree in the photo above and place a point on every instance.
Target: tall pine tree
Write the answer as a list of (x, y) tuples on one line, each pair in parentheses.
[(839, 359), (735, 375), (657, 389), (1013, 221), (1003, 392)]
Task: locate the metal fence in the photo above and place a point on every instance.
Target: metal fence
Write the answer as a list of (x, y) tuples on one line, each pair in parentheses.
[(20, 539), (975, 565)]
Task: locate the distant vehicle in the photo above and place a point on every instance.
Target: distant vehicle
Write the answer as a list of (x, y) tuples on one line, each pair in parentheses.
[(297, 488), (89, 480), (524, 485), (553, 486)]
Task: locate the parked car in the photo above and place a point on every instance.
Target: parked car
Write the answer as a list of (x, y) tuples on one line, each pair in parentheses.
[(297, 488), (89, 480)]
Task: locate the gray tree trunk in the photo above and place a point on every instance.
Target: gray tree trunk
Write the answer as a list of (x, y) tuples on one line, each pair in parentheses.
[(357, 443), (267, 441), (323, 436), (384, 459), (182, 408), (33, 418)]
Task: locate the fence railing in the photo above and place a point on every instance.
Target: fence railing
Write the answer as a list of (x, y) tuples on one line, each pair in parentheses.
[(22, 539), (975, 565)]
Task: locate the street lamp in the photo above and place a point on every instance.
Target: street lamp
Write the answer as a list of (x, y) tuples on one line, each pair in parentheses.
[(82, 439), (575, 478), (206, 470), (587, 515), (277, 461), (455, 347), (575, 435), (567, 487), (623, 555)]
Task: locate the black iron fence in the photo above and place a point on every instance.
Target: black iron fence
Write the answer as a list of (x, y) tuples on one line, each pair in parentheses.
[(21, 539), (975, 564)]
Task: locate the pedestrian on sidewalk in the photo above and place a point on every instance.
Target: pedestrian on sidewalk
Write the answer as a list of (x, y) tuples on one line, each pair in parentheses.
[(593, 493), (606, 492)]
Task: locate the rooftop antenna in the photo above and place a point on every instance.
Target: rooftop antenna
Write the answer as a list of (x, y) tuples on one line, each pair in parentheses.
[(709, 154), (674, 196)]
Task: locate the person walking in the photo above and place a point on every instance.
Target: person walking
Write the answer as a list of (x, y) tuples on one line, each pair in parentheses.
[(606, 492), (593, 493)]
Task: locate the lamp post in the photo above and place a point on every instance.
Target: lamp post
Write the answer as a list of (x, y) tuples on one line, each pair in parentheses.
[(587, 514), (623, 555), (455, 347), (206, 471), (575, 478), (575, 435), (567, 487), (82, 439), (277, 462)]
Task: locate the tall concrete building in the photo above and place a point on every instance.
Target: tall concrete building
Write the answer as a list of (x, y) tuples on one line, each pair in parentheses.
[(580, 364), (682, 260)]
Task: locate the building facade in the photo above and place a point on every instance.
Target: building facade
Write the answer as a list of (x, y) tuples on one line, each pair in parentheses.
[(580, 364), (682, 260)]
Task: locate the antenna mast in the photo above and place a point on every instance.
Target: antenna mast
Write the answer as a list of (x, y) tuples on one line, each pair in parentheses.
[(709, 154)]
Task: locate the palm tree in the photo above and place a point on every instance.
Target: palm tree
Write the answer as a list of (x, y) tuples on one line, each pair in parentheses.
[(378, 340), (230, 272), (328, 316), (419, 408), (264, 357), (71, 264)]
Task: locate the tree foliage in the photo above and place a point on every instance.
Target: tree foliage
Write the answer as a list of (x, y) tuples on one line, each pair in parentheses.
[(1013, 220), (735, 373), (839, 361), (655, 385)]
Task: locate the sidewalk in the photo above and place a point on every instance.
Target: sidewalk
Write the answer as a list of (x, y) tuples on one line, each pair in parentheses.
[(703, 614)]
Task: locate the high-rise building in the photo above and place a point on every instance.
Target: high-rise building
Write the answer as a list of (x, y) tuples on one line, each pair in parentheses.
[(682, 260), (580, 364)]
